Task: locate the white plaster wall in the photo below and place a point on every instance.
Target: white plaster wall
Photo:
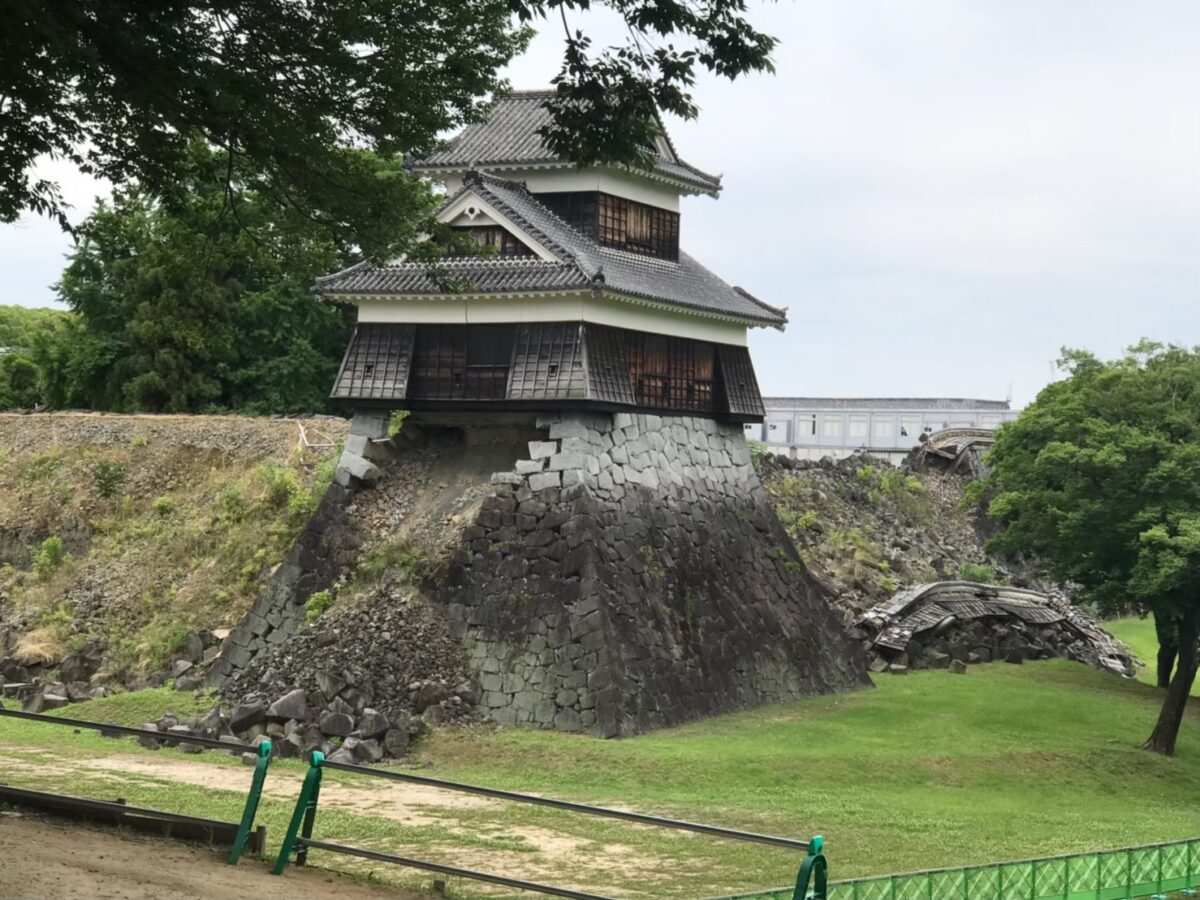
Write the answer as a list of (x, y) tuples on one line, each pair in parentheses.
[(620, 184), (551, 308)]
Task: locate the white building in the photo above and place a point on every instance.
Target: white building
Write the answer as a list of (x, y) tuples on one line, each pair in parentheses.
[(888, 427)]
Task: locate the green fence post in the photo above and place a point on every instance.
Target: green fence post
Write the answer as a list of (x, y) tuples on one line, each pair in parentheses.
[(1066, 878), (307, 798), (1188, 860), (966, 884), (1033, 882), (251, 810), (310, 814), (814, 867)]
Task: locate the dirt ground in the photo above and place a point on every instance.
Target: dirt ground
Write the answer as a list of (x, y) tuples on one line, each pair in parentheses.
[(45, 858)]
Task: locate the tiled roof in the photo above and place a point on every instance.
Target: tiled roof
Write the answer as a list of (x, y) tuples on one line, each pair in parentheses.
[(872, 403), (582, 263), (509, 137)]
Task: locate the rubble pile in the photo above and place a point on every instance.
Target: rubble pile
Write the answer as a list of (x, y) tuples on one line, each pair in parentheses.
[(955, 623)]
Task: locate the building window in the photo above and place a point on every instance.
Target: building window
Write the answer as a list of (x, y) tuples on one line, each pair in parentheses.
[(576, 208), (885, 427), (496, 239), (858, 426), (806, 426), (638, 227), (670, 372), (910, 427), (831, 426)]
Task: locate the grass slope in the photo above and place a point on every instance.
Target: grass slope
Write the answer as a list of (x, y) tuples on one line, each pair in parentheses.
[(930, 769), (1139, 635)]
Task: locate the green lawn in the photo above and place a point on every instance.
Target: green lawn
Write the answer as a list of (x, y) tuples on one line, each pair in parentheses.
[(1139, 635), (929, 769)]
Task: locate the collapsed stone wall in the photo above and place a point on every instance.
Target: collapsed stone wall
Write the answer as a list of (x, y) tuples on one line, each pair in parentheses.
[(325, 549), (631, 574)]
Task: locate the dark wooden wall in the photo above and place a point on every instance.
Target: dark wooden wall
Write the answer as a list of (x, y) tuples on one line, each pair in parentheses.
[(548, 362)]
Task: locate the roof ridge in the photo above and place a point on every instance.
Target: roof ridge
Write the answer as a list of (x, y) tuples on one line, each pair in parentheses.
[(341, 273), (483, 178), (778, 310)]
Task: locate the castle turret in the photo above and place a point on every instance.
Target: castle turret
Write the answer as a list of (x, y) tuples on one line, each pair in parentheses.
[(585, 302)]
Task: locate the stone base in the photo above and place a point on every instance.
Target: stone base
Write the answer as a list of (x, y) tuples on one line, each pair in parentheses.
[(631, 574)]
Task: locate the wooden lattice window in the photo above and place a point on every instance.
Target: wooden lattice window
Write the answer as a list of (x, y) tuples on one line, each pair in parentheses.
[(671, 373), (638, 227)]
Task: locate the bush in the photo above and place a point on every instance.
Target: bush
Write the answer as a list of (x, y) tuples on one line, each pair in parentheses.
[(980, 572), (44, 465), (402, 556), (317, 604), (396, 422), (230, 505), (50, 558), (280, 484), (757, 451), (109, 476), (163, 506)]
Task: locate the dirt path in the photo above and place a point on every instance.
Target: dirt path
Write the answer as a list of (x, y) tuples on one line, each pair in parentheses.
[(547, 855), (41, 858)]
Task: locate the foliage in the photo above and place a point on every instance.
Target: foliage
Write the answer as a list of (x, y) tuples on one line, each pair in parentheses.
[(402, 556), (279, 87), (979, 572), (1099, 481), (109, 475), (396, 422), (182, 307), (316, 605), (757, 451), (20, 325), (51, 556), (171, 564), (21, 382)]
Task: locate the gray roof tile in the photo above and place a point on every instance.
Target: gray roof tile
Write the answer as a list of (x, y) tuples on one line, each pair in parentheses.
[(510, 137), (582, 263)]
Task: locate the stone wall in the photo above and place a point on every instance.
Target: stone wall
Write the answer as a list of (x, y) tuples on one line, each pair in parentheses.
[(325, 549), (631, 574)]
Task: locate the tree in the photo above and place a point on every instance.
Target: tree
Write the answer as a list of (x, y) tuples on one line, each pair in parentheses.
[(21, 381), (119, 87), (1099, 480), (196, 304)]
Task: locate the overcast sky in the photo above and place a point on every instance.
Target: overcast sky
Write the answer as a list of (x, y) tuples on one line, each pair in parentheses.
[(942, 192)]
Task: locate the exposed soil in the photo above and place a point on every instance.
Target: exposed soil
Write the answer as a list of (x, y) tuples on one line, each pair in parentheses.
[(44, 858), (558, 856)]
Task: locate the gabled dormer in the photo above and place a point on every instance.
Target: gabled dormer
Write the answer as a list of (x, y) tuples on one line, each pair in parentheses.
[(619, 207)]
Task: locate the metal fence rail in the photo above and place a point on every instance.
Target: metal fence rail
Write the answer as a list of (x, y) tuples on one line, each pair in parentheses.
[(1151, 870), (242, 837), (300, 840)]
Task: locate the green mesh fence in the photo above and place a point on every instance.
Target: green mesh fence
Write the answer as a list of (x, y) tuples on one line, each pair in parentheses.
[(1149, 871)]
